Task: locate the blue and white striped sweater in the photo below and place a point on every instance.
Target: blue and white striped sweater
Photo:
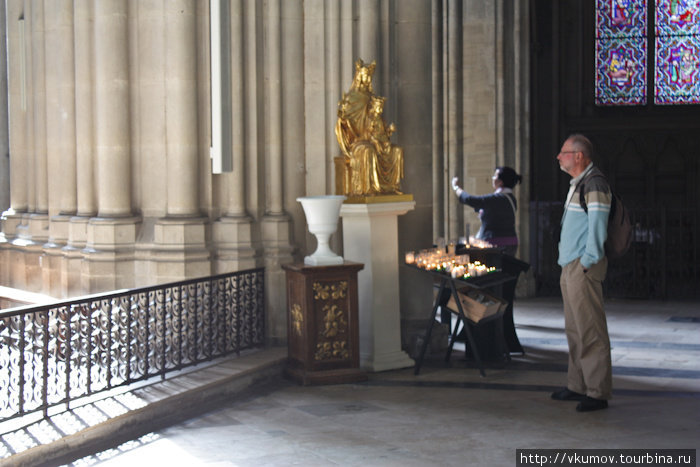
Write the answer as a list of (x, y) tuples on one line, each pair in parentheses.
[(583, 235)]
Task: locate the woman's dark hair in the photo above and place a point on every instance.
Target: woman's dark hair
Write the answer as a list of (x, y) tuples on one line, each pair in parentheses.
[(508, 176)]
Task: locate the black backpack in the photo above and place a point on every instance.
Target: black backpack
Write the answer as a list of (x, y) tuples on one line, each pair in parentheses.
[(619, 225)]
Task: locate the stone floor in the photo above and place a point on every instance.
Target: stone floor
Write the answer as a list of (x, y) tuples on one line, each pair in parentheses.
[(450, 415)]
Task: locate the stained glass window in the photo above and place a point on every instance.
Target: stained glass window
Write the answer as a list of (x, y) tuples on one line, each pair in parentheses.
[(621, 52), (677, 52)]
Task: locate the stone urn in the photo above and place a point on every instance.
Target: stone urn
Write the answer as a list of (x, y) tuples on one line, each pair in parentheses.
[(322, 214)]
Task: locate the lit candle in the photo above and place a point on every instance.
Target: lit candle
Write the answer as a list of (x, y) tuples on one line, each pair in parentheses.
[(410, 257), (458, 271)]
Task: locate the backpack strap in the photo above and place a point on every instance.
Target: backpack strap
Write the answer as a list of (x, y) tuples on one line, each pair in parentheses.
[(512, 204), (582, 199)]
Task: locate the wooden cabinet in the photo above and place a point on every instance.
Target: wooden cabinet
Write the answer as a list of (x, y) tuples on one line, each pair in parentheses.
[(323, 327)]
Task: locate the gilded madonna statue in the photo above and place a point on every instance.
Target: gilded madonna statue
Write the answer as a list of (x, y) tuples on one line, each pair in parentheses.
[(370, 164)]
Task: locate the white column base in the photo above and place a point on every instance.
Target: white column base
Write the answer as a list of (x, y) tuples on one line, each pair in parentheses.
[(370, 236)]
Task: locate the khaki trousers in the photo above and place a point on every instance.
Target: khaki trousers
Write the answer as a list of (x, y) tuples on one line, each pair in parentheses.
[(590, 365)]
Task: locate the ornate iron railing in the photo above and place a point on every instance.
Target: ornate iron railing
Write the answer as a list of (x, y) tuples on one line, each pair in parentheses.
[(663, 261), (54, 354)]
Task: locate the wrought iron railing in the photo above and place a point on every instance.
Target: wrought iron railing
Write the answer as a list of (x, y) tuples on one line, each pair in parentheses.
[(663, 261), (58, 353)]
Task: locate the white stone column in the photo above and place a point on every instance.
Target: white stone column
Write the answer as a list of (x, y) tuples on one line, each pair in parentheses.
[(16, 221), (274, 112), (84, 179), (370, 236), (317, 159), (439, 84), (9, 219), (112, 108), (347, 54), (17, 110), (60, 110), (34, 231), (4, 137), (453, 99), (60, 132), (39, 220), (275, 223), (181, 107), (84, 112), (112, 234), (368, 34), (238, 242), (237, 198), (233, 232), (180, 237)]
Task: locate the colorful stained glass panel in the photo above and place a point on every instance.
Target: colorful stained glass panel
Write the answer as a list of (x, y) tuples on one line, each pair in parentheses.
[(677, 76), (621, 18), (674, 17), (677, 53), (621, 52), (621, 72)]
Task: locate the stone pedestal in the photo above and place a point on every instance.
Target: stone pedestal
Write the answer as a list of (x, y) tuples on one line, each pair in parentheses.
[(370, 236), (322, 323)]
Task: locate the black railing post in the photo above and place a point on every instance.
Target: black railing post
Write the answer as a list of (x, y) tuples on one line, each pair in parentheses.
[(128, 338), (261, 307), (68, 352), (22, 361), (180, 328), (45, 376), (211, 320), (238, 309), (89, 347), (147, 320)]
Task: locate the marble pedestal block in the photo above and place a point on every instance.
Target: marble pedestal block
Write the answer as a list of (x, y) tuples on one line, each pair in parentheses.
[(370, 236)]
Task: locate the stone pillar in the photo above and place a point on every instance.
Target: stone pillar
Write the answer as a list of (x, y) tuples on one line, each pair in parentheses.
[(60, 132), (274, 113), (180, 241), (368, 34), (9, 100), (84, 113), (34, 231), (181, 107), (275, 223), (233, 232), (316, 96), (112, 131), (111, 235), (452, 100), (84, 147), (39, 219), (17, 124), (15, 221), (4, 146)]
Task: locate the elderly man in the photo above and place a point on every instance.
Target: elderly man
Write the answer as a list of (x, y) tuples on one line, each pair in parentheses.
[(584, 265)]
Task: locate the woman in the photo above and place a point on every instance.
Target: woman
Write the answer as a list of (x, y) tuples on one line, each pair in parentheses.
[(496, 210)]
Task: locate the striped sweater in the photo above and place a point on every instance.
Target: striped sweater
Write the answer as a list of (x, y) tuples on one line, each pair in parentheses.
[(583, 235)]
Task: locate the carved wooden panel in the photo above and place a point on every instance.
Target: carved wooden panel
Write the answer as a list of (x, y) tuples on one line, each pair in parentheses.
[(323, 327)]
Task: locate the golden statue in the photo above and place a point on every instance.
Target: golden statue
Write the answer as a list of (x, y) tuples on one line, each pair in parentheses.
[(370, 164)]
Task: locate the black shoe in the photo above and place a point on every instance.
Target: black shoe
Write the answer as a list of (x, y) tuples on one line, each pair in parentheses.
[(588, 404), (567, 395)]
